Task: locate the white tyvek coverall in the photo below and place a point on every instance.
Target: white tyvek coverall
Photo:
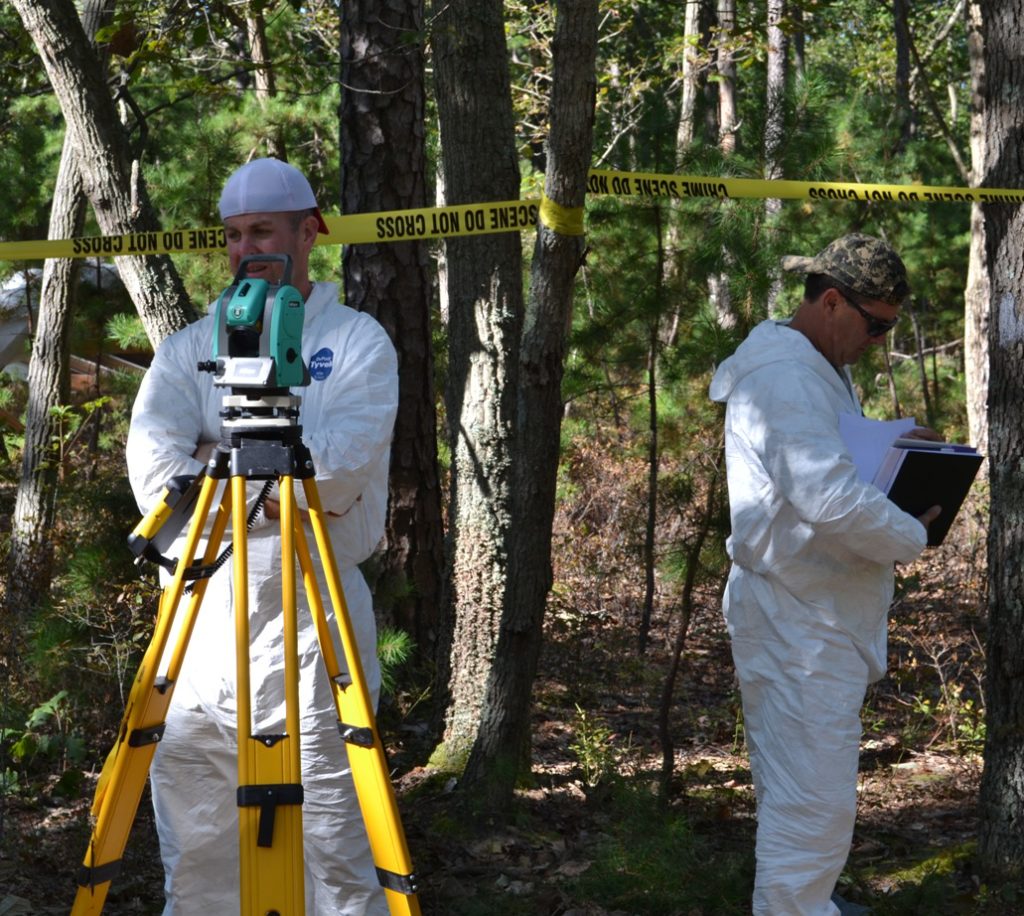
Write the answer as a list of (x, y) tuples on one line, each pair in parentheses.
[(347, 415), (806, 605)]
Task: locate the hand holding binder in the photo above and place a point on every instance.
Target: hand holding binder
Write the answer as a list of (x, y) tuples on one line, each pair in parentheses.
[(917, 474)]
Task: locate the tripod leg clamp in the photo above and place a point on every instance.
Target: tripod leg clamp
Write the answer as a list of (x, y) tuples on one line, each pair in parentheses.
[(92, 875), (352, 734), (267, 798), (401, 884)]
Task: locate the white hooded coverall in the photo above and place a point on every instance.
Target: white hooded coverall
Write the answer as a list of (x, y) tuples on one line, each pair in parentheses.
[(347, 414), (806, 605)]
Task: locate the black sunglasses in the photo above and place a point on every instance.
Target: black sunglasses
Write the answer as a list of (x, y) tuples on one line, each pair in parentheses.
[(876, 326)]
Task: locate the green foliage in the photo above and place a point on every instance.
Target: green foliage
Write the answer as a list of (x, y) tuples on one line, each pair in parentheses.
[(652, 861), (47, 741), (594, 748), (394, 648), (127, 332)]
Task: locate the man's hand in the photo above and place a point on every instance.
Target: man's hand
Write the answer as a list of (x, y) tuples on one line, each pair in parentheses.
[(928, 517), (204, 451), (923, 432)]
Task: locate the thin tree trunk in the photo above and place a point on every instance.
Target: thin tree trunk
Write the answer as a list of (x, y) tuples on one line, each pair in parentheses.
[(796, 14), (29, 562), (497, 756), (686, 126), (775, 125), (266, 89), (919, 342), (977, 293), (650, 528), (890, 376), (383, 167), (903, 110), (653, 355), (692, 82), (719, 291), (1001, 840), (693, 552)]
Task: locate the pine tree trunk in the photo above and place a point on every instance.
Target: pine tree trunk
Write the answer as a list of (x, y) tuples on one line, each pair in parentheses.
[(263, 74), (977, 294), (498, 753), (775, 125), (1001, 840), (904, 110), (383, 167), (691, 80), (485, 306), (111, 175), (719, 292), (29, 562)]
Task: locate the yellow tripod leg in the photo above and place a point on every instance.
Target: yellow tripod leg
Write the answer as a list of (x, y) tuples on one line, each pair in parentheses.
[(124, 774), (356, 719), (269, 769)]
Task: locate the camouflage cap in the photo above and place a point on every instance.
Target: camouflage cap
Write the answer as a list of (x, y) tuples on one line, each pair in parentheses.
[(863, 263)]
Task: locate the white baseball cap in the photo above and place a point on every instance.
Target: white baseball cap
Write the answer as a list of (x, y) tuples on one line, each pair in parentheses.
[(268, 186)]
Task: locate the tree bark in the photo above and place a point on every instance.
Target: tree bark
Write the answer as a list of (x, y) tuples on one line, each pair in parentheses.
[(903, 109), (1001, 838), (727, 76), (977, 293), (719, 292), (485, 305), (266, 89), (496, 758), (29, 562), (111, 174), (691, 79), (383, 167), (775, 125)]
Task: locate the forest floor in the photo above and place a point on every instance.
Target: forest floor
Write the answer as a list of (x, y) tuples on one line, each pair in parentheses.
[(588, 835)]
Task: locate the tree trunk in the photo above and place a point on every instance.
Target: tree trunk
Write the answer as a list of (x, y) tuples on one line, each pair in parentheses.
[(505, 727), (977, 295), (903, 110), (691, 80), (653, 466), (775, 125), (29, 562), (726, 76), (719, 292), (686, 604), (485, 305), (383, 167), (775, 98), (1001, 839), (259, 54), (111, 175)]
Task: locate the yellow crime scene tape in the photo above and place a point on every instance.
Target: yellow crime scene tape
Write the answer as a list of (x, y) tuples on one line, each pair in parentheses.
[(512, 215)]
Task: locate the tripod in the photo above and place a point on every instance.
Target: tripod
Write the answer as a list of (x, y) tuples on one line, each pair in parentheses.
[(260, 440)]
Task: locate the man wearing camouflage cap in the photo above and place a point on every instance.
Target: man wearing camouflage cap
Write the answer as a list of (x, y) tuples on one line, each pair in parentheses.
[(812, 550)]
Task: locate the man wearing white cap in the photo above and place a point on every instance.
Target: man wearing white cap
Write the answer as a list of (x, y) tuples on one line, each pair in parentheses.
[(347, 415)]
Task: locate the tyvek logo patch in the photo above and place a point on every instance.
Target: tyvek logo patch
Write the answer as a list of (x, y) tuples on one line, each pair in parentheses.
[(321, 364)]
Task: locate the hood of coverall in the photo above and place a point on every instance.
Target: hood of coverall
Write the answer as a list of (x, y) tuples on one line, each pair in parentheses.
[(774, 342)]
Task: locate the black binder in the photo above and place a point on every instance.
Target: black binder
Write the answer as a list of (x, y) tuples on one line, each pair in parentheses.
[(917, 474)]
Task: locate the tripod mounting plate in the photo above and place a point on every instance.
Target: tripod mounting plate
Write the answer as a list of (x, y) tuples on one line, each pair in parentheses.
[(266, 412)]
